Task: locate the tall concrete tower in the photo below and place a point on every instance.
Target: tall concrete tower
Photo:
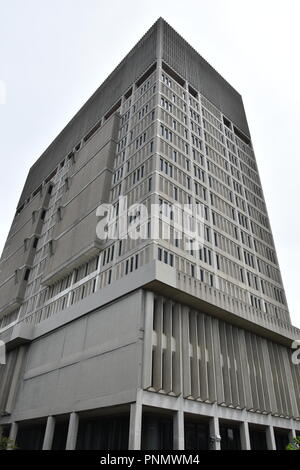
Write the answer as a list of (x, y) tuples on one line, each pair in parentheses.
[(151, 340)]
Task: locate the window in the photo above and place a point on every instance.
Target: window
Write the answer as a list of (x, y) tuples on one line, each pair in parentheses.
[(192, 270), (165, 256), (175, 193)]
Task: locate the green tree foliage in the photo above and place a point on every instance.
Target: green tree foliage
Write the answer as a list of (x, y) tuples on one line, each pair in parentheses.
[(294, 445), (6, 442)]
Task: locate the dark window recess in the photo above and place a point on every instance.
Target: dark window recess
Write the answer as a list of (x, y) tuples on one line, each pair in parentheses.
[(258, 439), (35, 242), (71, 156), (50, 189), (193, 92), (230, 437), (173, 74), (242, 136), (113, 110), (26, 275), (60, 435), (103, 433), (227, 122), (196, 436), (30, 437), (128, 94), (51, 176), (157, 432), (43, 214), (20, 209), (146, 75), (92, 131), (281, 439), (38, 190), (78, 147)]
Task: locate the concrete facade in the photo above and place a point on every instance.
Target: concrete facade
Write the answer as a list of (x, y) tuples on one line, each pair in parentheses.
[(160, 346)]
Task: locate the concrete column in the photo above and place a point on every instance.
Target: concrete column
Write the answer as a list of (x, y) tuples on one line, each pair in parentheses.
[(49, 433), (270, 438), (245, 437), (72, 431), (214, 434), (71, 289), (135, 426), (158, 353), (178, 430), (148, 325), (13, 434), (292, 435)]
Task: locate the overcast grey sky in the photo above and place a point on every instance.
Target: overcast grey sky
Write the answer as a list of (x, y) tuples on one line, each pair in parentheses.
[(55, 53)]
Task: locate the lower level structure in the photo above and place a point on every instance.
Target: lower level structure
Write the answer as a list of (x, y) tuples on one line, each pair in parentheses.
[(154, 423), (150, 367)]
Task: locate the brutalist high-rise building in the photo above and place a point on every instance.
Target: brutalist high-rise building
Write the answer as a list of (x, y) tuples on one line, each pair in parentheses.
[(148, 341)]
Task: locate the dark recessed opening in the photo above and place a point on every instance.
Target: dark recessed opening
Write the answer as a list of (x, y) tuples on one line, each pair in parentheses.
[(227, 122), (113, 110), (26, 275), (43, 214), (51, 176), (20, 209), (78, 147), (92, 131), (146, 75), (258, 438), (103, 432), (128, 94), (281, 438), (173, 74), (157, 431), (196, 433), (35, 242), (242, 136), (60, 433), (31, 435), (230, 437), (38, 190), (50, 189), (193, 92)]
